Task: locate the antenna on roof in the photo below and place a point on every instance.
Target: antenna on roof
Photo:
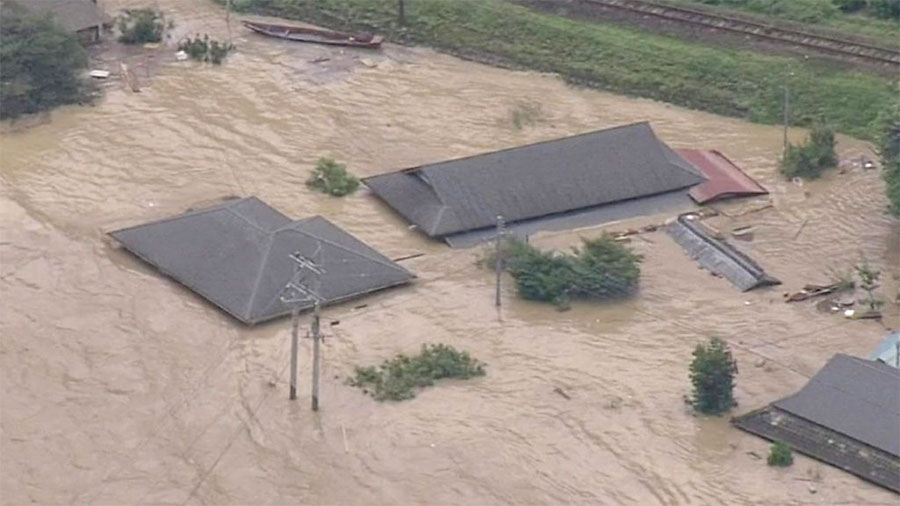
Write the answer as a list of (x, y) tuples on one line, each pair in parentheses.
[(296, 291)]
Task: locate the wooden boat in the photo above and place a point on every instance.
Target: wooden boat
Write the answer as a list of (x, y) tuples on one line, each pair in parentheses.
[(303, 34)]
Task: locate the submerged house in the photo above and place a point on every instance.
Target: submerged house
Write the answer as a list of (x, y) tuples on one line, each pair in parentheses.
[(848, 415), (718, 256), (238, 255), (580, 180), (81, 17)]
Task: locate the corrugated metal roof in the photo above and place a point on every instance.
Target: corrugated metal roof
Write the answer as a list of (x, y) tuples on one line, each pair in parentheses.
[(719, 256), (853, 396), (536, 180), (236, 255), (73, 15), (725, 179), (887, 350)]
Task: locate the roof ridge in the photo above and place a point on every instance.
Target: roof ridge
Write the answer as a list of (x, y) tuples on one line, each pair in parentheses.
[(290, 227), (259, 275), (503, 150), (661, 146)]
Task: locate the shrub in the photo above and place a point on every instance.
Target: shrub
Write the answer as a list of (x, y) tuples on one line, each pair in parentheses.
[(887, 130), (810, 160), (40, 62), (601, 268), (403, 376), (887, 9), (332, 178), (780, 454), (205, 49), (868, 281), (850, 5), (139, 26), (712, 375)]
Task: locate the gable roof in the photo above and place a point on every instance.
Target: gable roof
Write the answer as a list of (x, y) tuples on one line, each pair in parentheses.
[(237, 256), (724, 178), (856, 397), (73, 15), (535, 180)]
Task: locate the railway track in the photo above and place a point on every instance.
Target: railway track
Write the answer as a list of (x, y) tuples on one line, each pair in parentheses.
[(822, 43)]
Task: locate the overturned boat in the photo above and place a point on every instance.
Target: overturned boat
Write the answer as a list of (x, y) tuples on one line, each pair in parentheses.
[(315, 35)]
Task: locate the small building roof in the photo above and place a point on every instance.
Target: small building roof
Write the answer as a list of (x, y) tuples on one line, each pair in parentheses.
[(237, 256), (537, 180), (718, 256), (887, 350), (724, 178), (73, 15), (847, 415), (856, 397)]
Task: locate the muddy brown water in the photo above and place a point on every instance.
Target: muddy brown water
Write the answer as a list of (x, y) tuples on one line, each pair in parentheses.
[(121, 387)]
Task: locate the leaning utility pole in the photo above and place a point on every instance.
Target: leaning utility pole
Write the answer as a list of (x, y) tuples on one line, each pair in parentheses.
[(499, 259)]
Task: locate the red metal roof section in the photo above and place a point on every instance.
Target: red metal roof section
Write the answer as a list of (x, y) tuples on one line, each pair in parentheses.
[(725, 179)]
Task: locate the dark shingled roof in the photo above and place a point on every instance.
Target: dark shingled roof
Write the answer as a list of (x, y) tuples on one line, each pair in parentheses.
[(73, 15), (856, 397), (536, 180), (237, 255), (847, 415)]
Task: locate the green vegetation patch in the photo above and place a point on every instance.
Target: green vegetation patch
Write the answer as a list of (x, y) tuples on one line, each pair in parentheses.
[(810, 160), (205, 49), (331, 177), (40, 63), (873, 18), (140, 26), (403, 376), (601, 269), (712, 375), (780, 454), (724, 81)]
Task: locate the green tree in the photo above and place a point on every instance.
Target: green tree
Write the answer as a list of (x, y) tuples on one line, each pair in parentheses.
[(331, 177), (602, 268), (712, 374), (810, 160), (780, 454), (39, 62), (139, 26), (868, 281), (887, 130)]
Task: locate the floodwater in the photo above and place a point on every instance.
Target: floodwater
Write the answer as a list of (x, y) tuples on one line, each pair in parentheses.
[(121, 387)]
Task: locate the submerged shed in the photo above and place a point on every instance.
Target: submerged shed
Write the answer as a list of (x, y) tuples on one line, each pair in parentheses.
[(237, 255), (718, 256), (593, 177), (81, 17), (848, 415)]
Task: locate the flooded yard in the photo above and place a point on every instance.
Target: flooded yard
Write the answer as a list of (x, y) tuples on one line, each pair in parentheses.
[(120, 386)]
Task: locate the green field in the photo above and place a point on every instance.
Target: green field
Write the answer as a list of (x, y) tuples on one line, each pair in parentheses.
[(723, 81), (822, 13)]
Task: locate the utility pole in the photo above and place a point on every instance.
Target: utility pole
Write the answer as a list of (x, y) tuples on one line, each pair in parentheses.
[(297, 292), (499, 255), (295, 324), (786, 117)]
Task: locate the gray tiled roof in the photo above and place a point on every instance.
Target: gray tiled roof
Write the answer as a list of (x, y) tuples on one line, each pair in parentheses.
[(536, 180), (719, 256), (73, 15), (856, 397), (236, 255)]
